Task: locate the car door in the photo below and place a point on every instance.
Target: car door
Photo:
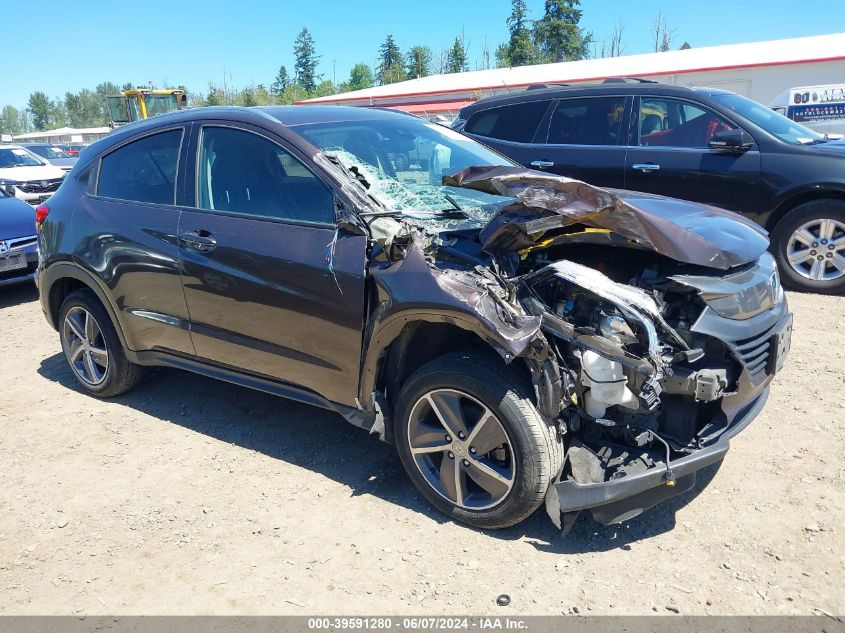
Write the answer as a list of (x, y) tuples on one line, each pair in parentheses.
[(670, 155), (273, 286), (585, 140), (130, 220), (510, 129)]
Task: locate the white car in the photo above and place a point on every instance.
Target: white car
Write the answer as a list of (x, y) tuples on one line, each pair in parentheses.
[(26, 176)]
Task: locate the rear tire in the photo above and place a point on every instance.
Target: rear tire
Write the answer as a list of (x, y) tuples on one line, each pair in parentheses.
[(92, 347), (500, 475), (812, 230)]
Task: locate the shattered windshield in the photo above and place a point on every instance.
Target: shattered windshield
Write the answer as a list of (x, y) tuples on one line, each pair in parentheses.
[(401, 162)]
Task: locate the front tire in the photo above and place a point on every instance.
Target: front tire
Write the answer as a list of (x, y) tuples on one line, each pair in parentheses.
[(92, 347), (472, 441), (809, 246)]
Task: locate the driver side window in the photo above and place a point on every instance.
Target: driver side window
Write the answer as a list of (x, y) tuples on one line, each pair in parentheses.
[(674, 123), (242, 172)]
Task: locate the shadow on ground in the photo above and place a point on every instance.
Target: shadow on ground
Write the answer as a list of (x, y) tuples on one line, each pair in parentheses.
[(273, 426), (17, 294)]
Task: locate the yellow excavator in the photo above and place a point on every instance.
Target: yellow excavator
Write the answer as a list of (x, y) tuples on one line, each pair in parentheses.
[(142, 103)]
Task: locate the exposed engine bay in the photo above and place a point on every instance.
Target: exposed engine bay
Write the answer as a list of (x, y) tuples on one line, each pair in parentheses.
[(651, 331)]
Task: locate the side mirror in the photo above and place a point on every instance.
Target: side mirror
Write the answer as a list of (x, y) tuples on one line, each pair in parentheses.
[(735, 140)]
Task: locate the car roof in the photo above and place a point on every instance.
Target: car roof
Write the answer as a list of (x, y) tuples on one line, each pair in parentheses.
[(286, 116), (619, 87), (309, 114)]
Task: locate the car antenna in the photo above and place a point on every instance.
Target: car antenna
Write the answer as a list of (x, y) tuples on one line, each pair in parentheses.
[(507, 86)]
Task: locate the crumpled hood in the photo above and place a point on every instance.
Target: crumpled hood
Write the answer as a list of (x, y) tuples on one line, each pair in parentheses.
[(684, 231)]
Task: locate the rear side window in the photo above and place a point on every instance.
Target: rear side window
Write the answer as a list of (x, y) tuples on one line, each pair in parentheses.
[(590, 121), (509, 123), (142, 171)]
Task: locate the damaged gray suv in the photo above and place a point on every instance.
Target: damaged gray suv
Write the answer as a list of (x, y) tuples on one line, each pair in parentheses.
[(520, 337)]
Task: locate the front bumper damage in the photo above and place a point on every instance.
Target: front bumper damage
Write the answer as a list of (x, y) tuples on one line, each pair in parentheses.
[(617, 480), (622, 499)]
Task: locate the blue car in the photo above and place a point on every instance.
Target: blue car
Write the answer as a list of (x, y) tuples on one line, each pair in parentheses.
[(18, 240)]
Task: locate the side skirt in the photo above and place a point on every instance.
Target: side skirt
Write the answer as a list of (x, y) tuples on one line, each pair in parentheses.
[(359, 417)]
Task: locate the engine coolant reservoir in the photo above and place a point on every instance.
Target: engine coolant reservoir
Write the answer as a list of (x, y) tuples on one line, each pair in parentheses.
[(607, 384)]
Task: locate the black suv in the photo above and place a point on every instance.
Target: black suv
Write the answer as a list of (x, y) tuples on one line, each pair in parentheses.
[(699, 144), (518, 336)]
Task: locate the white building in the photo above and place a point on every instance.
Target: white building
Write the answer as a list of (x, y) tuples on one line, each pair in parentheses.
[(64, 135), (759, 70)]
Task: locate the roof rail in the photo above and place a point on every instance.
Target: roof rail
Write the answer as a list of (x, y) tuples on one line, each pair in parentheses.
[(628, 80), (543, 86)]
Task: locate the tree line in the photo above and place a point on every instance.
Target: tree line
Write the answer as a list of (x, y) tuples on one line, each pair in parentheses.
[(556, 36)]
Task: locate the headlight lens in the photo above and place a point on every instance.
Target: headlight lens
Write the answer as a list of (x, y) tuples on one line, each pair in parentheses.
[(777, 288)]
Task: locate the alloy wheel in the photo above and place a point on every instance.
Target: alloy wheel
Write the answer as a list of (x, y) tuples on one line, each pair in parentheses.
[(461, 449), (85, 346), (816, 250)]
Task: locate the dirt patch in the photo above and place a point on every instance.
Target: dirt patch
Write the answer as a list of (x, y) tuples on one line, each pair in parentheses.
[(194, 496)]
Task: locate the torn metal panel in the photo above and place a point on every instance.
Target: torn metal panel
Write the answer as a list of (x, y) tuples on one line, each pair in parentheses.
[(684, 231), (414, 287), (415, 283)]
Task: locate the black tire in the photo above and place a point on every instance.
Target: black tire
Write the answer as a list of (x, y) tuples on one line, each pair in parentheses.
[(120, 375), (536, 449), (802, 214)]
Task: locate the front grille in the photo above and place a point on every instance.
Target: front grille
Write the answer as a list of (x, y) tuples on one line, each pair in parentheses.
[(40, 186), (754, 353), (21, 242)]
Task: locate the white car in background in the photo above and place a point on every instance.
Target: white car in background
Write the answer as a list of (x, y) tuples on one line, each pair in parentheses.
[(820, 108), (26, 176), (52, 154)]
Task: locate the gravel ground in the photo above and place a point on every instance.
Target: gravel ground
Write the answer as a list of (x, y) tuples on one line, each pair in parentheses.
[(192, 496)]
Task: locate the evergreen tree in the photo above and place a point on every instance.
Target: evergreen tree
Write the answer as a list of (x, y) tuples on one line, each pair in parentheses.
[(324, 89), (262, 95), (456, 61), (520, 49), (57, 116), (247, 97), (360, 77), (83, 109), (391, 67), (305, 66), (215, 96), (419, 62), (558, 34), (12, 120), (39, 107), (281, 83)]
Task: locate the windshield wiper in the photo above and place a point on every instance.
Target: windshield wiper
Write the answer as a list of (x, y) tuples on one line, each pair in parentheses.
[(449, 214)]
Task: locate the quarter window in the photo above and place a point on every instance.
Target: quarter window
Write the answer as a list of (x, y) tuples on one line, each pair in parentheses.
[(242, 172), (590, 121), (142, 171), (673, 123), (509, 123)]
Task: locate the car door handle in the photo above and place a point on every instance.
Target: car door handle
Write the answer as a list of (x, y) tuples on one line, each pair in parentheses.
[(646, 167), (542, 164), (200, 240)]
